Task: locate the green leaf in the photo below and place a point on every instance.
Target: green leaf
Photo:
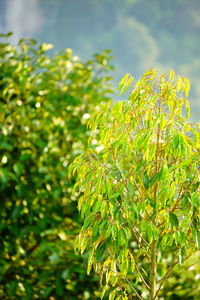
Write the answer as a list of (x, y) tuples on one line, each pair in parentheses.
[(112, 295), (11, 287), (173, 220), (155, 232), (131, 189), (146, 181), (123, 81), (143, 225), (181, 256), (45, 47), (87, 222), (197, 239), (18, 168), (6, 35), (150, 234), (153, 179), (184, 203), (103, 291), (114, 231), (65, 274), (100, 251), (127, 232), (121, 238)]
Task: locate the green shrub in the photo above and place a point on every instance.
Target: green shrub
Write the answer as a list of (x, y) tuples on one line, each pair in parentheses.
[(44, 104)]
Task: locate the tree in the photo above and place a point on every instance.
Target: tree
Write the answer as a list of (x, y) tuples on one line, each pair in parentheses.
[(44, 103), (139, 191)]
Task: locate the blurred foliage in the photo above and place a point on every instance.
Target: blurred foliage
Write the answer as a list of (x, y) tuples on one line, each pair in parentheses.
[(44, 104)]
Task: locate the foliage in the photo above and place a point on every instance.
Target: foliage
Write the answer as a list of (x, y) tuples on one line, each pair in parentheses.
[(139, 193), (44, 104)]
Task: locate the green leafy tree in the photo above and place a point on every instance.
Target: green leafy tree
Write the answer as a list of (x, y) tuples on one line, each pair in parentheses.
[(44, 103), (139, 194)]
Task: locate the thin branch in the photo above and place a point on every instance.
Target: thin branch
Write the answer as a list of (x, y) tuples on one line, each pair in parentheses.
[(128, 281), (167, 275), (139, 243), (133, 288), (141, 237), (179, 196), (142, 278)]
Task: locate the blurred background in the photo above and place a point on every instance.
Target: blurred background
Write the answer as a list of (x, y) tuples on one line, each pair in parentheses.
[(141, 33)]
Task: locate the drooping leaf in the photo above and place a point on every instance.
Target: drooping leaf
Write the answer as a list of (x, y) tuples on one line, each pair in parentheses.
[(173, 220)]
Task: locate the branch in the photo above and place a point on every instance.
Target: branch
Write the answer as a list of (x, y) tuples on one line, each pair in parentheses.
[(141, 237), (143, 280), (167, 275), (133, 288), (128, 281)]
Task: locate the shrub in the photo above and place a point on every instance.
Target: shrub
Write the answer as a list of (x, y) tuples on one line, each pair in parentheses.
[(44, 104)]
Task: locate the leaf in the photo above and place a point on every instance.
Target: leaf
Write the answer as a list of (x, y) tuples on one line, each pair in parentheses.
[(18, 168), (187, 107), (90, 261), (11, 287), (155, 232), (16, 211), (181, 256), (150, 235), (197, 239), (45, 47), (184, 203), (179, 84), (171, 75), (47, 291), (139, 166), (6, 35), (100, 251), (121, 238), (152, 202), (4, 175), (146, 181), (112, 295), (143, 225), (173, 220), (187, 86), (131, 189), (127, 232), (6, 146), (125, 83), (103, 291), (153, 179), (65, 274), (87, 222), (114, 231)]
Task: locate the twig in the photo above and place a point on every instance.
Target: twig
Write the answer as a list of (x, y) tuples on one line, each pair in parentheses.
[(167, 275), (144, 281), (128, 281)]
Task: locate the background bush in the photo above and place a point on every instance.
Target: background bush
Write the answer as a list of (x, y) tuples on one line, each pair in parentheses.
[(44, 102)]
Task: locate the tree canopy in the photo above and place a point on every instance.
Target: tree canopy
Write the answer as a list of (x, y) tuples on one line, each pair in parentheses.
[(139, 195)]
